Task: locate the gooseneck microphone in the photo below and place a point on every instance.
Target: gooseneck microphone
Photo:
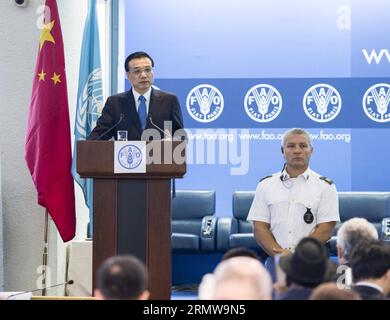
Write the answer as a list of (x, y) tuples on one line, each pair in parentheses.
[(165, 133), (49, 287), (113, 127)]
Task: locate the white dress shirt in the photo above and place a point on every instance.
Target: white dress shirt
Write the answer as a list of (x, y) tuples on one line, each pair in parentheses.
[(147, 99), (282, 204)]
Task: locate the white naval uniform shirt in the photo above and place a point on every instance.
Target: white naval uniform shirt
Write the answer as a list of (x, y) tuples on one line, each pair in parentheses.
[(283, 204)]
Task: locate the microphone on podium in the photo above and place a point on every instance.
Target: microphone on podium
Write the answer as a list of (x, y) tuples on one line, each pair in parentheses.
[(164, 132), (31, 291), (122, 116)]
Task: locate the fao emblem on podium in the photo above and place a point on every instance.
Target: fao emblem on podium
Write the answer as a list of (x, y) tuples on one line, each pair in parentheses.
[(130, 157)]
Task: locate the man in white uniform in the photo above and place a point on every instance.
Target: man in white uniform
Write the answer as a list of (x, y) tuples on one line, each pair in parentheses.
[(294, 203)]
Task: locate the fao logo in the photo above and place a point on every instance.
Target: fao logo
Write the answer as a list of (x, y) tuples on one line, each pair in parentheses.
[(322, 103), (263, 103), (376, 102), (205, 103), (130, 156)]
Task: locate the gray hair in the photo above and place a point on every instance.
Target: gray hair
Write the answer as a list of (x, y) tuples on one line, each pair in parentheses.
[(296, 131), (238, 269), (353, 231)]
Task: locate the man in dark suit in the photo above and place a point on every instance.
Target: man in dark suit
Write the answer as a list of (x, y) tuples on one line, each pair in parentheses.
[(370, 262), (140, 108)]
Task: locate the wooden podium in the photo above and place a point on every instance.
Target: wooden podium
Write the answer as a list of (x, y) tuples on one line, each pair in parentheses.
[(132, 212)]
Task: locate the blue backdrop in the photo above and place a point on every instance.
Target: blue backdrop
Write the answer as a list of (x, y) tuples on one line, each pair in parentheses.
[(245, 71)]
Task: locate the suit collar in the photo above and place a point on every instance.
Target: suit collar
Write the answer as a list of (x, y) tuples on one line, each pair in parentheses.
[(147, 95), (369, 285), (130, 110), (155, 97)]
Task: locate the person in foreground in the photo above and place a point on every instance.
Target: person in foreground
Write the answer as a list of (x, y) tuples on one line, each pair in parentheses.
[(305, 269), (140, 108), (237, 278), (122, 277), (370, 263), (294, 203), (330, 291), (349, 235)]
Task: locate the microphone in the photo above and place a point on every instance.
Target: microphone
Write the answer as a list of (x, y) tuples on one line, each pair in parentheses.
[(49, 287), (165, 133), (283, 177), (109, 129)]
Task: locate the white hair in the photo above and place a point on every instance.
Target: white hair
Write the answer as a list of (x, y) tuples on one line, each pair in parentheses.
[(352, 231), (238, 272)]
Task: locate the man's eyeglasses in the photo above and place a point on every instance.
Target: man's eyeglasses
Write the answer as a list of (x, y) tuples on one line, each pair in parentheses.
[(138, 72)]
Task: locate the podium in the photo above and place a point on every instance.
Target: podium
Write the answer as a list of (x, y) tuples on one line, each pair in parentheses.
[(132, 211)]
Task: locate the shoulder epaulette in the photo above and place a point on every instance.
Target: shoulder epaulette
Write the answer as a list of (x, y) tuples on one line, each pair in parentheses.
[(327, 180), (265, 178)]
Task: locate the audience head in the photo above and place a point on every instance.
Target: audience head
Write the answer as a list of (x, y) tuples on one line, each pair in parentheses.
[(308, 265), (237, 278), (240, 252), (370, 261), (350, 233), (122, 278), (330, 291)]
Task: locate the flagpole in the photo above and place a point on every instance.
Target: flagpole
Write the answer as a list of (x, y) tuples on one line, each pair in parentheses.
[(45, 252)]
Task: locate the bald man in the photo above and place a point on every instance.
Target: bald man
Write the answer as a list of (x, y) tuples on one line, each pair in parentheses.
[(237, 278)]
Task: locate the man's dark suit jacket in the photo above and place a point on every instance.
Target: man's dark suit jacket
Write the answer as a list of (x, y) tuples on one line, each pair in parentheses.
[(369, 293), (163, 106), (297, 294)]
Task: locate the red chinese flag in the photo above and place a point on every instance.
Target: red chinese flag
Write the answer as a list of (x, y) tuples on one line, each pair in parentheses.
[(48, 144)]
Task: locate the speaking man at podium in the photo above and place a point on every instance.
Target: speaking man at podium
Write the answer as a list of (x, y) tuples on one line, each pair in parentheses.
[(140, 108)]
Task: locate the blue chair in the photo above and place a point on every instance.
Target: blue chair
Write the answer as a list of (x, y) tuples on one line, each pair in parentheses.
[(193, 221), (193, 236), (237, 231)]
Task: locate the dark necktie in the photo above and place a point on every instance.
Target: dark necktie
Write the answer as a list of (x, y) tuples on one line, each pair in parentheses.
[(142, 111)]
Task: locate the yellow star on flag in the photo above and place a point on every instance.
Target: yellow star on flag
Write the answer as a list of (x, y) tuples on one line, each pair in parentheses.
[(56, 78), (46, 35), (42, 75)]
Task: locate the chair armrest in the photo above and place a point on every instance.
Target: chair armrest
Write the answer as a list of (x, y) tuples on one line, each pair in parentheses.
[(385, 234), (208, 233), (225, 227)]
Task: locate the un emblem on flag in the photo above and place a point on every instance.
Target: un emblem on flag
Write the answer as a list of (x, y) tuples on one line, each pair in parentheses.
[(322, 103), (130, 156), (89, 104), (376, 102), (263, 103), (205, 103)]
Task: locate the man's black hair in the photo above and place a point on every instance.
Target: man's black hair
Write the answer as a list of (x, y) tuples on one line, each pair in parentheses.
[(370, 259), (122, 278), (137, 55), (240, 252)]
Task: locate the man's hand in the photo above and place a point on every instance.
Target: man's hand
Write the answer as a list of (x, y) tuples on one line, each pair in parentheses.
[(281, 251)]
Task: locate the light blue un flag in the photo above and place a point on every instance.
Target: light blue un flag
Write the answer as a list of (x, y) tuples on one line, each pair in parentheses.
[(89, 96)]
